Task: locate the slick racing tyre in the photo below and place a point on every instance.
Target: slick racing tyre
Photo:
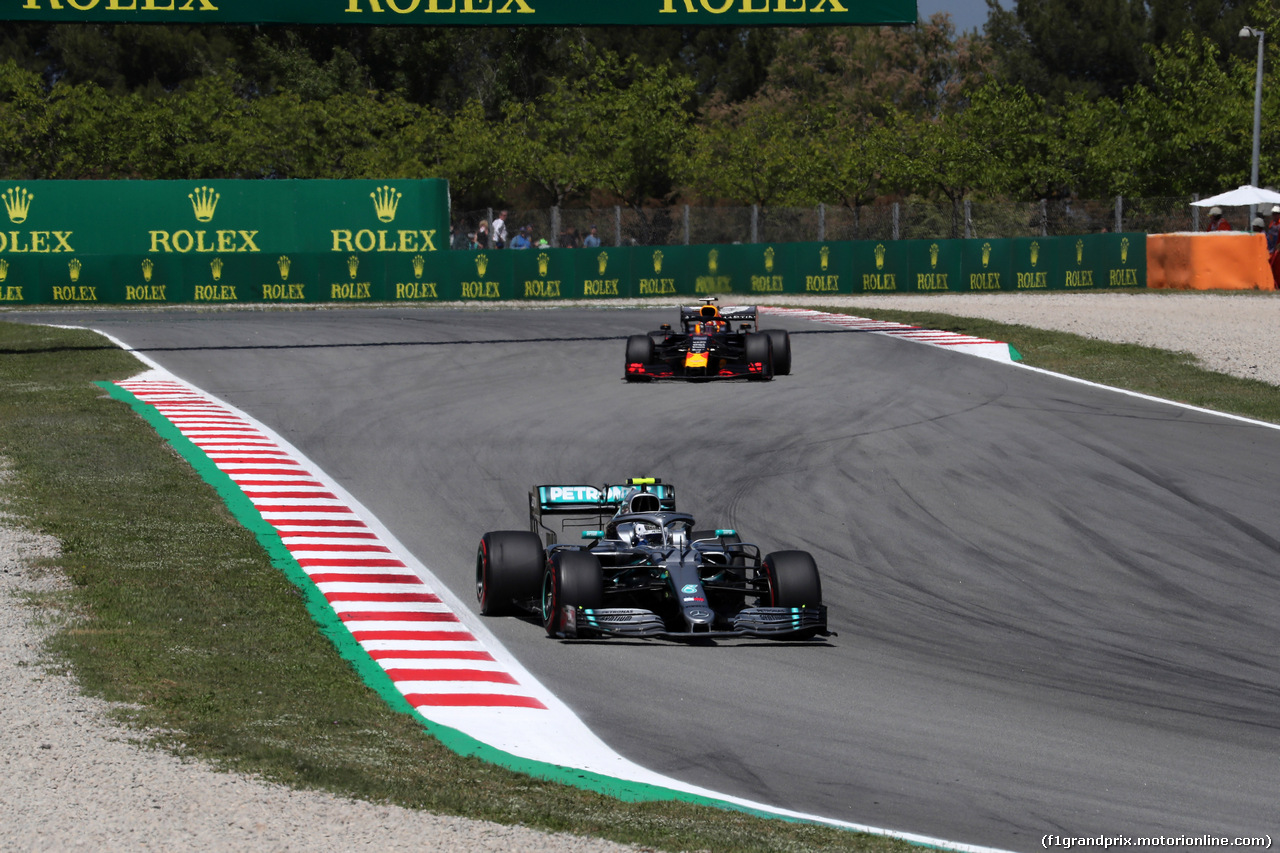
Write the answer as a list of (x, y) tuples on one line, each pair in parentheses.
[(757, 348), (639, 351), (571, 578), (781, 351), (508, 568), (793, 579)]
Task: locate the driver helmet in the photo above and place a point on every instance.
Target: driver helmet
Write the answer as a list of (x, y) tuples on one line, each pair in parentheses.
[(711, 322), (650, 534), (637, 532)]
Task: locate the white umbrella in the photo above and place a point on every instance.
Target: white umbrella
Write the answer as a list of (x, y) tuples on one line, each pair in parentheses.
[(1244, 196)]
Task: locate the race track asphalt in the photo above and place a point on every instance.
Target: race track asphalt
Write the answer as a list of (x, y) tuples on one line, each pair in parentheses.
[(1058, 606)]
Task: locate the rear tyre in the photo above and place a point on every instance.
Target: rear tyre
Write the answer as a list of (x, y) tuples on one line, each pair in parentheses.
[(508, 569), (793, 579), (639, 351), (758, 349), (781, 351), (572, 578)]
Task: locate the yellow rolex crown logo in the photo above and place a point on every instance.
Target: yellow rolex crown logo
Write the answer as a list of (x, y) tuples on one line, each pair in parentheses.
[(147, 269), (385, 202), (544, 262), (75, 266), (602, 260), (1079, 252), (713, 260), (880, 250), (17, 201), (482, 264), (657, 261), (283, 264), (768, 259), (4, 269), (1035, 253), (216, 266), (933, 255), (986, 254), (204, 201), (1124, 250), (353, 265), (825, 252), (419, 264)]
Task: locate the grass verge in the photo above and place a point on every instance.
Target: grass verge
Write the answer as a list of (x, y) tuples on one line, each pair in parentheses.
[(181, 615)]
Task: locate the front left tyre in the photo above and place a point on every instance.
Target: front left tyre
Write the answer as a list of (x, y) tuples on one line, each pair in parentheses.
[(758, 349), (793, 579), (572, 579), (508, 570), (781, 351), (639, 351)]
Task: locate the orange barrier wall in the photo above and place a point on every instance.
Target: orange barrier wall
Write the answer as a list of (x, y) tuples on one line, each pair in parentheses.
[(1224, 260)]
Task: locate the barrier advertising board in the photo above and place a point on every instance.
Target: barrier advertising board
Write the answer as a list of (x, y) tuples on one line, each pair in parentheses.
[(476, 13), (225, 241), (176, 242)]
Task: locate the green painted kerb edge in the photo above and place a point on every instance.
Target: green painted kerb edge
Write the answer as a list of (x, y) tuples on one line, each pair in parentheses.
[(471, 13), (369, 671)]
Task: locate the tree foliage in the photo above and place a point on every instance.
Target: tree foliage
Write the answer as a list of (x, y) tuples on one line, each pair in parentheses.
[(1060, 98)]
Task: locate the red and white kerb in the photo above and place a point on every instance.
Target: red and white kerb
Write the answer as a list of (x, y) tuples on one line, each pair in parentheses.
[(430, 655)]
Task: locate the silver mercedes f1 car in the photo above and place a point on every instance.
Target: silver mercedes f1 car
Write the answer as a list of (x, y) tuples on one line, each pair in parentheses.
[(642, 569)]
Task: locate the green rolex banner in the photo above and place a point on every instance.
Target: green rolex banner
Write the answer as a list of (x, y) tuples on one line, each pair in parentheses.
[(490, 13), (361, 242), (86, 242)]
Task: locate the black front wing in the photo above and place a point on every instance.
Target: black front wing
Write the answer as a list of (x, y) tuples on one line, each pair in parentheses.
[(775, 623)]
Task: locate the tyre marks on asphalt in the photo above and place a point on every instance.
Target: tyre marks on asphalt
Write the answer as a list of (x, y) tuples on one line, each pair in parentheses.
[(997, 350), (438, 655), (404, 626)]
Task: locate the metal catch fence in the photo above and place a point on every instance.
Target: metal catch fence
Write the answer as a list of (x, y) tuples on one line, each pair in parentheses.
[(687, 225)]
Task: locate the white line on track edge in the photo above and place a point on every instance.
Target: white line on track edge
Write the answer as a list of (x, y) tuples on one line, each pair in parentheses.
[(1001, 355)]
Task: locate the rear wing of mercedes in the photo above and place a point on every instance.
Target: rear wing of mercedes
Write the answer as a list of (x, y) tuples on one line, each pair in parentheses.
[(587, 507)]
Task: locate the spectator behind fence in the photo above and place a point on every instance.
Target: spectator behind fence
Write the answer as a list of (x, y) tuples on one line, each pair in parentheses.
[(482, 234), (522, 240), (592, 240), (500, 230), (457, 238), (1217, 222), (1273, 229)]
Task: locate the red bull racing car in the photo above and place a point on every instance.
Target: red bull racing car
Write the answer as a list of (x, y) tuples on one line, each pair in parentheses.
[(642, 569), (708, 346)]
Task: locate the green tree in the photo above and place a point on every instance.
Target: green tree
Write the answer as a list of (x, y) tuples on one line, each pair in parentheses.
[(870, 71), (23, 121), (1053, 47), (647, 127), (760, 151), (551, 139)]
